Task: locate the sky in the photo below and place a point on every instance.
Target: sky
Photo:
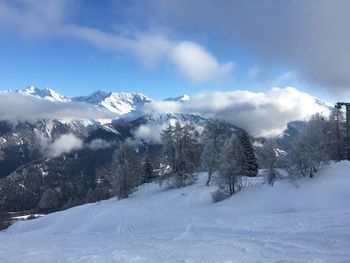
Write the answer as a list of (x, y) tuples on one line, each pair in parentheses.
[(165, 48)]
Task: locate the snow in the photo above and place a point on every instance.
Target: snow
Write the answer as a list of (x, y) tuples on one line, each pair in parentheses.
[(120, 103), (303, 221), (3, 140), (46, 93)]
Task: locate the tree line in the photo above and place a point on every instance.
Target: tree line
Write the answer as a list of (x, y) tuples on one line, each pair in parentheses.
[(219, 149), (224, 152)]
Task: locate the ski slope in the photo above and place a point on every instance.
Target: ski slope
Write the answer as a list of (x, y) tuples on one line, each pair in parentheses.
[(304, 222)]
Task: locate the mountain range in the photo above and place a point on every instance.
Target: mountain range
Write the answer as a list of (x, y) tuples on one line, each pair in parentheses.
[(34, 157), (119, 103)]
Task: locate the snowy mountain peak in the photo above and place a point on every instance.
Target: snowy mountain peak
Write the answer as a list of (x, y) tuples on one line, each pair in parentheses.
[(182, 98), (46, 93), (94, 98), (117, 102)]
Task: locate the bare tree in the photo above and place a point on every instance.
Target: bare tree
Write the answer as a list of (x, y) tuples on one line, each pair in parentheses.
[(269, 159), (126, 172), (230, 166), (181, 153), (310, 149), (213, 140)]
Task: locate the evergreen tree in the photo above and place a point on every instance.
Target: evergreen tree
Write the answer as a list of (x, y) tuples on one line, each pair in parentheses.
[(335, 133), (147, 170), (249, 164)]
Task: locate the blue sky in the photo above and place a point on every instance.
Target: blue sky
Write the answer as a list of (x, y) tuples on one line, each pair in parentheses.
[(163, 50)]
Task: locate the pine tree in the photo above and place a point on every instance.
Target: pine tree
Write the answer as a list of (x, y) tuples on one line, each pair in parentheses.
[(147, 170), (249, 164)]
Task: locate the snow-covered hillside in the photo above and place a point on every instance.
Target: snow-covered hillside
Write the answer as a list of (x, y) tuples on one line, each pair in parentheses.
[(284, 223)]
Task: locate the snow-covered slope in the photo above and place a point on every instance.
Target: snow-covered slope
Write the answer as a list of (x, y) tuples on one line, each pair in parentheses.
[(120, 103), (46, 93), (284, 223)]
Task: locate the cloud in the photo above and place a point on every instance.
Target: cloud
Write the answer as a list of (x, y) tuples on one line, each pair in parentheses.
[(16, 106), (64, 144), (34, 18), (257, 112), (189, 58), (98, 144), (198, 64), (40, 19), (307, 37), (149, 132)]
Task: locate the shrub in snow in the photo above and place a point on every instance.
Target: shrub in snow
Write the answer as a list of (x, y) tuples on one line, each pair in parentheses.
[(219, 195), (49, 201)]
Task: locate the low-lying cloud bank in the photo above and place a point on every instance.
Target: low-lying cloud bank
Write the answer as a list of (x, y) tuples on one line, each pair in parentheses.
[(17, 107), (69, 142), (257, 112), (64, 144)]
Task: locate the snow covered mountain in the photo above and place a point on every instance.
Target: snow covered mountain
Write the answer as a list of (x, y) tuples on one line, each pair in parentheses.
[(120, 103), (161, 118), (46, 93)]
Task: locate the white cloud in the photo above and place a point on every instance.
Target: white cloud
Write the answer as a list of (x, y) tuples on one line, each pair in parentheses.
[(50, 18), (149, 132), (256, 112), (197, 63), (16, 106), (98, 144), (189, 58), (64, 144)]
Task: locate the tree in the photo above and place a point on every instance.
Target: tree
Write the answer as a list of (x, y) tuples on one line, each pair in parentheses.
[(269, 160), (230, 168), (180, 153), (249, 164), (335, 128), (147, 170), (2, 220), (213, 140), (310, 149), (49, 201), (125, 171)]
